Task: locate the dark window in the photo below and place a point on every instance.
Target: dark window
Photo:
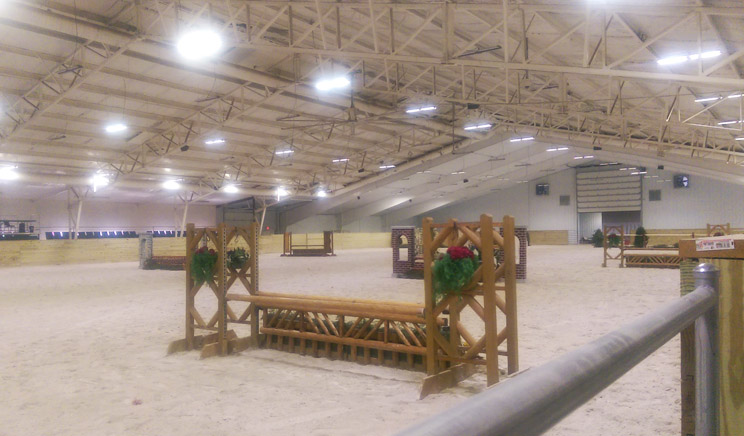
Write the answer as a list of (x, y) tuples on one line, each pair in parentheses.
[(654, 195), (565, 200)]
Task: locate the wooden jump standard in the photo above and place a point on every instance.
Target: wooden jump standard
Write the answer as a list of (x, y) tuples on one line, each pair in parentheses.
[(405, 335), (307, 249)]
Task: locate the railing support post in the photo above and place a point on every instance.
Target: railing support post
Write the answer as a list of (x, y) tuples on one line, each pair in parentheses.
[(706, 357)]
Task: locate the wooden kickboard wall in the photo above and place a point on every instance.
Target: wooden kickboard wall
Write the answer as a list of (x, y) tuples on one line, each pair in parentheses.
[(59, 252), (548, 237)]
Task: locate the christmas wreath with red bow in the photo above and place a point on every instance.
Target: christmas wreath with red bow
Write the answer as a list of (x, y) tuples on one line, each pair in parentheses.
[(452, 271)]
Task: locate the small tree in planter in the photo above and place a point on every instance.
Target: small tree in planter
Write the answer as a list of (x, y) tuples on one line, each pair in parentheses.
[(640, 239), (453, 271), (598, 239)]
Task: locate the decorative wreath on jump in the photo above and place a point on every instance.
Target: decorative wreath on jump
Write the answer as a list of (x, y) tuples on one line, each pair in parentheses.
[(452, 271), (237, 258)]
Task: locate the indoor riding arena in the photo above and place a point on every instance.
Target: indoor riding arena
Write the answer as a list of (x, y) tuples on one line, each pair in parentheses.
[(363, 217)]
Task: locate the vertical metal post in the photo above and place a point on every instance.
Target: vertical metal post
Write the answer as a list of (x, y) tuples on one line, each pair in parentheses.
[(706, 357)]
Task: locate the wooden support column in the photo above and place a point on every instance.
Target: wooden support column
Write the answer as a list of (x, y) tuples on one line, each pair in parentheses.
[(189, 286), (220, 282), (431, 322), (510, 279), (253, 250), (489, 299)]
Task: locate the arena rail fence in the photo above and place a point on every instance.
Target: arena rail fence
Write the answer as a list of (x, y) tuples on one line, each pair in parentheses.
[(534, 401)]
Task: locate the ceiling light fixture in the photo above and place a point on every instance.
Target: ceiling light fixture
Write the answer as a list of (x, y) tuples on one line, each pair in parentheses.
[(724, 123), (8, 173), (584, 157), (335, 83), (557, 149), (321, 193), (116, 128), (230, 189), (199, 44), (281, 192), (527, 138), (385, 167), (171, 185), (707, 99), (477, 127), (215, 141), (457, 172), (343, 159), (740, 138), (99, 180), (284, 152), (421, 109), (673, 60)]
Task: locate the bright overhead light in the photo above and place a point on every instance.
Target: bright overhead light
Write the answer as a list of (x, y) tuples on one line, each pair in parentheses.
[(724, 123), (230, 189), (584, 157), (335, 83), (8, 173), (321, 193), (527, 138), (281, 192), (199, 44), (167, 170), (344, 159), (557, 149), (421, 109), (673, 60), (116, 128), (740, 138), (215, 141), (455, 173), (171, 185), (477, 127), (706, 99), (99, 180), (385, 167), (734, 95), (284, 152)]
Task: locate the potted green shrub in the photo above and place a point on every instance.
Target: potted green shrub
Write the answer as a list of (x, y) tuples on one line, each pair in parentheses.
[(598, 239), (202, 264), (640, 239), (237, 258)]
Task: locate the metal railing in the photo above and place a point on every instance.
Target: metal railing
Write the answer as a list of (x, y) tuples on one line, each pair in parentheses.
[(532, 402)]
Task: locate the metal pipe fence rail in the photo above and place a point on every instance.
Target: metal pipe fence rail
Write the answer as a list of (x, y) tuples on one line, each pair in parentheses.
[(532, 402)]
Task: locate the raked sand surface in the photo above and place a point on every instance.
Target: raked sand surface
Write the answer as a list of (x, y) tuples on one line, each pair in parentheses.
[(82, 352)]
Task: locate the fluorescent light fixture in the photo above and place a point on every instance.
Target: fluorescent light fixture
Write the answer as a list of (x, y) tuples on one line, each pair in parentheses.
[(171, 185), (706, 99), (99, 180), (734, 96), (199, 44), (673, 60), (230, 189), (343, 159), (740, 138), (321, 193), (457, 173), (477, 127), (335, 83), (167, 170), (557, 149), (281, 192), (724, 123), (584, 157), (8, 173), (421, 109), (284, 152), (215, 141), (116, 128), (635, 173), (527, 138), (385, 167)]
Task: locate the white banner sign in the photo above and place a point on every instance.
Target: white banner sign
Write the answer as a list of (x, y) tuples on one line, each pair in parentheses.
[(714, 244)]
